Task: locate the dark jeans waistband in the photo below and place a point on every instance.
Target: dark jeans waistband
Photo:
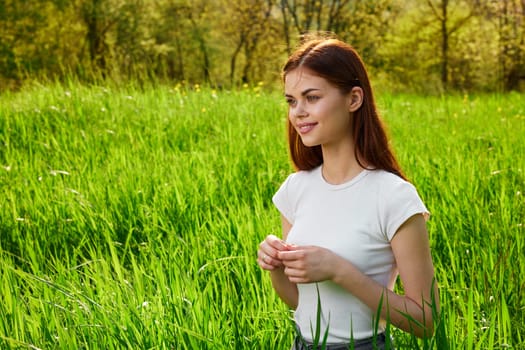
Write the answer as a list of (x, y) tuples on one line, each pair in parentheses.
[(373, 343)]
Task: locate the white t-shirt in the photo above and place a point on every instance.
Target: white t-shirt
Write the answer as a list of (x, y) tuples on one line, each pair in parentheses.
[(357, 221)]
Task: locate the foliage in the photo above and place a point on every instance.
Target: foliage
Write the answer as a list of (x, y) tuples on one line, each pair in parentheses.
[(130, 216), (430, 46)]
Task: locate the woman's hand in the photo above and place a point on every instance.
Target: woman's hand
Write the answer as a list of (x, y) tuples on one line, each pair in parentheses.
[(308, 264), (267, 255)]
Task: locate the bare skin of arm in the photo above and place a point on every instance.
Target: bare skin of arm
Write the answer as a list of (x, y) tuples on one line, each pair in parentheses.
[(268, 259), (411, 249)]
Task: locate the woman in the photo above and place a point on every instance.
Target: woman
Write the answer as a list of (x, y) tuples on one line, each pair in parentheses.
[(351, 223)]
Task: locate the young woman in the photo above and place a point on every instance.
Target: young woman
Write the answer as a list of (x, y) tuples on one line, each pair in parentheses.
[(351, 222)]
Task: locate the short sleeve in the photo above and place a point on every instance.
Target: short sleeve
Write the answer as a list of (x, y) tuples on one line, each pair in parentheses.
[(283, 201), (400, 204)]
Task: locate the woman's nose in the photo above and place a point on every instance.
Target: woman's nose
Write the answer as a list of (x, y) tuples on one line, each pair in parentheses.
[(299, 111)]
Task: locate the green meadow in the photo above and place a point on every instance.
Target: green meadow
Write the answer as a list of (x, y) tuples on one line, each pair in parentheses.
[(131, 217)]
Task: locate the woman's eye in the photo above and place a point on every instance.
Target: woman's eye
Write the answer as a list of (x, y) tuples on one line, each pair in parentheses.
[(312, 98), (290, 101)]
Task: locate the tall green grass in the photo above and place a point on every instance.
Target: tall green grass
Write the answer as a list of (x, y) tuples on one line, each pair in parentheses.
[(130, 217)]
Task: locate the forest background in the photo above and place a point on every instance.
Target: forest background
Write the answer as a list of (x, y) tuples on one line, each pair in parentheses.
[(428, 46)]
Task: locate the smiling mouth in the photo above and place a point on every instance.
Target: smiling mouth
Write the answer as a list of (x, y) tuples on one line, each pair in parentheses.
[(305, 127)]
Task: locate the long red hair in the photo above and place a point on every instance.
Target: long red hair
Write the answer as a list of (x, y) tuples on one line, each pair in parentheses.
[(341, 65)]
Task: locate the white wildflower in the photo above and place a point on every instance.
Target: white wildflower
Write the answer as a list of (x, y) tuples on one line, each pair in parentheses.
[(61, 172)]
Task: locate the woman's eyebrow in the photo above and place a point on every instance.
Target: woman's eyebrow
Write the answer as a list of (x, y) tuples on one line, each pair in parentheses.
[(305, 92)]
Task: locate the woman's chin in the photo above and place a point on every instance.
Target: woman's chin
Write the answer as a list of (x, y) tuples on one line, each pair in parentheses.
[(309, 143)]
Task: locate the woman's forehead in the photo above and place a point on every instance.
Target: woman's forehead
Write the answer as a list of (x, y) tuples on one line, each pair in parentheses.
[(302, 77)]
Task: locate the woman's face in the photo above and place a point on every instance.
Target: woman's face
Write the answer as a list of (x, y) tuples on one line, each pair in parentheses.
[(319, 111)]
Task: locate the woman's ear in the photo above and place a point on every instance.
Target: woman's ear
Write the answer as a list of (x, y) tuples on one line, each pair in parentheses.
[(356, 98)]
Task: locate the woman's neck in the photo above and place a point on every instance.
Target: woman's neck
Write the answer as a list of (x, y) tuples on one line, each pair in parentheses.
[(340, 164)]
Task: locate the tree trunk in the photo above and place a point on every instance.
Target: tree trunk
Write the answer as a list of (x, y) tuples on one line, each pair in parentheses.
[(94, 36), (233, 60), (286, 27), (203, 49), (205, 60), (444, 44)]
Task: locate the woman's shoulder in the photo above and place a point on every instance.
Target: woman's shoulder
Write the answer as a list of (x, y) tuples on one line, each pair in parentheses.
[(388, 183), (304, 175), (386, 177), (300, 179)]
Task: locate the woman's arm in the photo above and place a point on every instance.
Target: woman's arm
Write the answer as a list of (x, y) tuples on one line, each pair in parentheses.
[(412, 311), (412, 253), (267, 257)]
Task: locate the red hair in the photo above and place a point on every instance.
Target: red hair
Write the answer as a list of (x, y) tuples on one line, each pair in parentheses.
[(341, 65)]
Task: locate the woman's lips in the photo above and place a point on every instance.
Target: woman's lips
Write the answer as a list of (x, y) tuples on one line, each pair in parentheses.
[(305, 127)]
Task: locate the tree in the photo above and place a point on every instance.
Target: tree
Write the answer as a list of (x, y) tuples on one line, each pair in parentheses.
[(511, 28), (313, 15), (23, 48), (98, 17), (247, 23), (441, 11), (363, 23)]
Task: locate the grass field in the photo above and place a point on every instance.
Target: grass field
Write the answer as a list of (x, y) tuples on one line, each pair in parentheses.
[(130, 218)]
